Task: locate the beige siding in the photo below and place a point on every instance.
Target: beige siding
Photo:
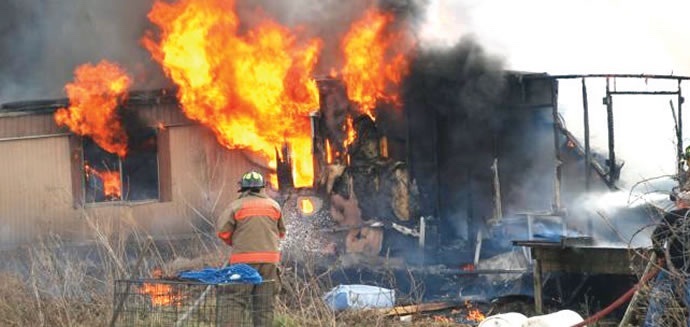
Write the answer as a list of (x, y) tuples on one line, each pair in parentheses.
[(35, 192), (168, 114), (36, 196), (28, 126), (204, 173), (32, 125)]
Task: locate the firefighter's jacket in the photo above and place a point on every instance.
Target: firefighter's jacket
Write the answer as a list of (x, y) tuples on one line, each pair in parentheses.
[(253, 226)]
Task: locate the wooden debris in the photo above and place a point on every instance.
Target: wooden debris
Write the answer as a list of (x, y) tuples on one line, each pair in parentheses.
[(418, 308)]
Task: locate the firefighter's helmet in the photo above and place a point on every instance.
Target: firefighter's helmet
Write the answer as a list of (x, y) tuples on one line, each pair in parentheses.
[(251, 180)]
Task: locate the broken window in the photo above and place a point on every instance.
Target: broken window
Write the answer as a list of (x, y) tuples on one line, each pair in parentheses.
[(108, 178)]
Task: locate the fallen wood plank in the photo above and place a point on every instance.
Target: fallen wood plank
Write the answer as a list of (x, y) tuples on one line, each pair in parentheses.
[(418, 308)]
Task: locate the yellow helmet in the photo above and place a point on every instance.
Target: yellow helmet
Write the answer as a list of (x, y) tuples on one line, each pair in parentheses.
[(252, 179)]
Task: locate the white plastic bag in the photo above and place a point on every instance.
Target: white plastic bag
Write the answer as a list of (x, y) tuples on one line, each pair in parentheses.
[(510, 319), (563, 318), (359, 297)]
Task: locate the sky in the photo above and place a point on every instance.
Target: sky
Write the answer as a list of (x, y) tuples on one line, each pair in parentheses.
[(560, 36)]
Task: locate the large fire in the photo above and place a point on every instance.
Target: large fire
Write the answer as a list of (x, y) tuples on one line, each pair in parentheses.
[(112, 183), (253, 89), (94, 97), (252, 85), (375, 60)]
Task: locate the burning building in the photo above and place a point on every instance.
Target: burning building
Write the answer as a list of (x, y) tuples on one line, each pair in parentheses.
[(174, 171), (396, 146), (426, 175)]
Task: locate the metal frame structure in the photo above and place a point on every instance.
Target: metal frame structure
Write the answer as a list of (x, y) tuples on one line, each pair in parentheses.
[(554, 256), (613, 169), (608, 101)]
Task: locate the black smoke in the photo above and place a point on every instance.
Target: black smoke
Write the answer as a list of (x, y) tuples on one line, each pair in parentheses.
[(42, 41), (328, 20), (451, 98)]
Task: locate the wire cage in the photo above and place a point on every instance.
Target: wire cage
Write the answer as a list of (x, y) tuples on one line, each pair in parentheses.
[(152, 302)]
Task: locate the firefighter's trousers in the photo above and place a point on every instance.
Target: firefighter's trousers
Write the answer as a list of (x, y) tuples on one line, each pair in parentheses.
[(253, 305)]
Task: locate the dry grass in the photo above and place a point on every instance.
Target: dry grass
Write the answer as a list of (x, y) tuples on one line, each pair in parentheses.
[(50, 284), (53, 283)]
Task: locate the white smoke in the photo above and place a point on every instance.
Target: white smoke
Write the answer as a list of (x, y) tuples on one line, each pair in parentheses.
[(569, 36)]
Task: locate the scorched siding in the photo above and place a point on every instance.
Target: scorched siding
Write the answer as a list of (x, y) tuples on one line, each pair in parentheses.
[(204, 173)]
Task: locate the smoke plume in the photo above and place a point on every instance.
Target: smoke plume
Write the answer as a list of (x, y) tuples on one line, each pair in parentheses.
[(616, 37), (450, 97), (43, 41), (329, 20)]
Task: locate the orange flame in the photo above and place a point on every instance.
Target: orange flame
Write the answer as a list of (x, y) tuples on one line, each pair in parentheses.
[(253, 89), (161, 294), (94, 97), (306, 206), (112, 184), (473, 314), (329, 155), (375, 62), (350, 131)]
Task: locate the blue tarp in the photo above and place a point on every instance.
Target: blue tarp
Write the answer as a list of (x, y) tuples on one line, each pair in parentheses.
[(660, 297), (234, 274)]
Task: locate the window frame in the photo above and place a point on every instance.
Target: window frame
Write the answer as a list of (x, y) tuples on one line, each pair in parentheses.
[(79, 187)]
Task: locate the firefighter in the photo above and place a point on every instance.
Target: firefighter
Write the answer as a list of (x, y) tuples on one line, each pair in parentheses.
[(671, 242), (684, 174), (253, 226)]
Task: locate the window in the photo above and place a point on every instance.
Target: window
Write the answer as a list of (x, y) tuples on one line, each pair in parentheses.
[(108, 178)]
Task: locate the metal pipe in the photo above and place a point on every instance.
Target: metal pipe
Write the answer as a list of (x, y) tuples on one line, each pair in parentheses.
[(557, 147), (498, 214), (422, 232), (31, 137), (609, 118), (644, 92), (680, 129), (478, 247), (315, 146), (588, 154), (573, 76)]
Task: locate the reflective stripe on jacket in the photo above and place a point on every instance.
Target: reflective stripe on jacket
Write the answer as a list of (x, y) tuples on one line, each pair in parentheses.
[(253, 225)]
